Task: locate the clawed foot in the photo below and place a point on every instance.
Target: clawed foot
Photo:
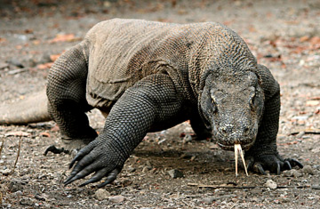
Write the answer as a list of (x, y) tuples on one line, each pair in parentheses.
[(98, 159), (55, 150), (68, 145), (273, 163)]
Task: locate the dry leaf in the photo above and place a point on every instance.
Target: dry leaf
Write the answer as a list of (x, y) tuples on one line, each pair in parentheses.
[(315, 40), (64, 38), (36, 42), (312, 103), (55, 128), (45, 66), (54, 57), (45, 134), (18, 133), (304, 38), (2, 40)]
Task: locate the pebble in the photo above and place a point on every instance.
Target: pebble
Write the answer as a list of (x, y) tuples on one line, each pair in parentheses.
[(18, 193), (26, 201), (6, 171), (41, 197), (15, 62), (187, 138), (3, 65), (209, 200), (117, 199), (271, 184), (308, 170), (15, 185), (174, 173), (131, 169), (292, 173), (102, 194)]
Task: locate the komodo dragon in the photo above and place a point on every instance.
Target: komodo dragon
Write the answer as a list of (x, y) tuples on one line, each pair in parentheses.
[(148, 76)]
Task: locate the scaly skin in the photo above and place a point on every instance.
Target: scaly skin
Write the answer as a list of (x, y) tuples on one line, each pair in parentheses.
[(149, 76)]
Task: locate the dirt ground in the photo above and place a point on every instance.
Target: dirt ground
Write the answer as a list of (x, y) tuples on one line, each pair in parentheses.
[(283, 35)]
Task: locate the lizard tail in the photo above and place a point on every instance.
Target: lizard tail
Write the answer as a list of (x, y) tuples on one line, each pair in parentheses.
[(30, 110)]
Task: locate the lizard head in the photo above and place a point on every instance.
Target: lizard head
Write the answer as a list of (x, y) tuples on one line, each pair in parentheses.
[(231, 104)]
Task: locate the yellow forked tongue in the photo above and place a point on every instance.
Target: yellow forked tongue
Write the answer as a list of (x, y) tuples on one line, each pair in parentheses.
[(237, 148)]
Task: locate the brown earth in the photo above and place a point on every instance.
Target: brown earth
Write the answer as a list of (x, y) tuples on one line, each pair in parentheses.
[(283, 35)]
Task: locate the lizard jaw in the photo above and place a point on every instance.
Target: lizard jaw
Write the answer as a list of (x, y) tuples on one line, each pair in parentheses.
[(231, 147)]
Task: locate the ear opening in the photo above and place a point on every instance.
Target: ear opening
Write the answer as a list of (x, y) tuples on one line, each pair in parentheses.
[(202, 115)]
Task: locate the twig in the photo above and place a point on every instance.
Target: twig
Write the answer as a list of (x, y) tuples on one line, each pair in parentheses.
[(220, 187), (305, 132), (250, 187), (17, 71), (2, 143), (18, 154)]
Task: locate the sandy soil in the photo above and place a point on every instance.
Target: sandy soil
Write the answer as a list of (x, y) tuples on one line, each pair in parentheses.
[(283, 35)]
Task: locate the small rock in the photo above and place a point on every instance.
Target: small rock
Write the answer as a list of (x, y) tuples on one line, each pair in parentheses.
[(3, 65), (116, 199), (131, 169), (308, 170), (292, 173), (174, 173), (186, 156), (301, 134), (26, 201), (187, 138), (146, 168), (18, 193), (15, 62), (44, 58), (162, 140), (209, 200), (271, 184), (102, 194), (316, 167), (6, 171), (15, 185), (41, 197)]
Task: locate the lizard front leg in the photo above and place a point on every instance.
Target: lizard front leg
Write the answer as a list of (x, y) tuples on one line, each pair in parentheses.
[(264, 154), (66, 92), (149, 102)]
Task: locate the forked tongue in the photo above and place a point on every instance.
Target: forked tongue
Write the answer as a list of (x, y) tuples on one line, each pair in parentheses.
[(238, 149)]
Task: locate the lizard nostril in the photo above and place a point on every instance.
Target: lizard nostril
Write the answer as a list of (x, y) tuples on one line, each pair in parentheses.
[(246, 130), (226, 130)]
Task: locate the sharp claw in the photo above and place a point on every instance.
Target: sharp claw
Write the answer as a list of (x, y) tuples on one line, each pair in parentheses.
[(296, 162), (76, 158), (69, 180), (74, 177), (84, 151), (288, 165), (278, 168), (249, 164), (92, 180), (55, 150), (97, 177), (258, 167), (108, 181), (111, 177)]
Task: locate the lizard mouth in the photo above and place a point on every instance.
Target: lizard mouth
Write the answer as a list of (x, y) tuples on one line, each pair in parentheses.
[(231, 147)]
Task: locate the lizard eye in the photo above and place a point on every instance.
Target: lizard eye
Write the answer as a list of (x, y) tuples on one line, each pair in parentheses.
[(214, 104), (252, 101)]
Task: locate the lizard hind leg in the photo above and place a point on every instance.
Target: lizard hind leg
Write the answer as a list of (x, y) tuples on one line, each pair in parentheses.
[(66, 93)]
